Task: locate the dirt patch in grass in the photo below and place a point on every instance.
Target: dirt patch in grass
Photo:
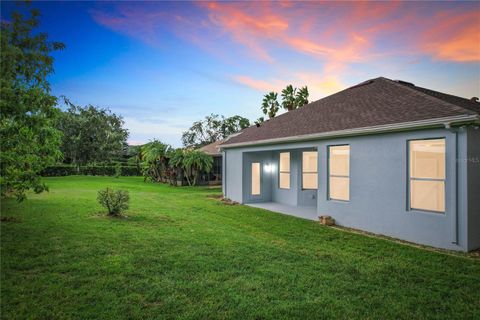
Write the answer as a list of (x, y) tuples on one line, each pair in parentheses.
[(228, 202), (223, 200)]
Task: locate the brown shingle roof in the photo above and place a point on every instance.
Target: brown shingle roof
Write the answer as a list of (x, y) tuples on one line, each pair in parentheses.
[(213, 148), (375, 102), (459, 101)]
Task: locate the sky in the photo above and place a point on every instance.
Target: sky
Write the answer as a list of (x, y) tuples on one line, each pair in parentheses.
[(163, 65)]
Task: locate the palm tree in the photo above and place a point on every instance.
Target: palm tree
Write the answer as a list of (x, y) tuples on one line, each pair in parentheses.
[(175, 164), (270, 104), (301, 98), (194, 162), (154, 157), (294, 98), (289, 97)]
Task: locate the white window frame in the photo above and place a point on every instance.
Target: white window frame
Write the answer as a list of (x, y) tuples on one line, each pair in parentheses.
[(337, 175), (289, 170), (309, 172), (410, 178)]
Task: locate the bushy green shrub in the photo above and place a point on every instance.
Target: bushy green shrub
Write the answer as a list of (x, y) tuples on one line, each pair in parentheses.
[(59, 170), (128, 171), (115, 201)]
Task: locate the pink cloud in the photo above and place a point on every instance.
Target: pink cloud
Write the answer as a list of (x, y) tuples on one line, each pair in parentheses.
[(343, 31), (454, 38), (336, 34), (349, 31)]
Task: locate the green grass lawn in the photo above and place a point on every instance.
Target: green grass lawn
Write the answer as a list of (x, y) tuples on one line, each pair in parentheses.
[(181, 254)]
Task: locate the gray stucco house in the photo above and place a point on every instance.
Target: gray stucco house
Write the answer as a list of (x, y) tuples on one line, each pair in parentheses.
[(383, 156)]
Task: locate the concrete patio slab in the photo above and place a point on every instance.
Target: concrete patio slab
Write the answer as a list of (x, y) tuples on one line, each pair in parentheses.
[(309, 213)]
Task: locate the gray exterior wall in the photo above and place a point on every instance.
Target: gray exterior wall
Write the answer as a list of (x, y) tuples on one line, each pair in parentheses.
[(294, 196), (378, 185), (232, 176)]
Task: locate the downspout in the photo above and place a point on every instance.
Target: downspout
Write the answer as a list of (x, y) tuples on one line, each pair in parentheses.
[(224, 174), (455, 228)]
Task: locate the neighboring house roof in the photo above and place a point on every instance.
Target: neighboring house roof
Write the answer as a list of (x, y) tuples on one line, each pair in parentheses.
[(213, 149), (375, 103)]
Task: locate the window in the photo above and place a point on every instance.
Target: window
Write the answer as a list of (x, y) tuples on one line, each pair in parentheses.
[(427, 174), (284, 172), (339, 173), (255, 178), (309, 170)]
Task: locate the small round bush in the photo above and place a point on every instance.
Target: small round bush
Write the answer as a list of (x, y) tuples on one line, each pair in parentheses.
[(115, 201)]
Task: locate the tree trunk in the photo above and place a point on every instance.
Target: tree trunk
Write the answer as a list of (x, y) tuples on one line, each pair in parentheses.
[(155, 174), (188, 180)]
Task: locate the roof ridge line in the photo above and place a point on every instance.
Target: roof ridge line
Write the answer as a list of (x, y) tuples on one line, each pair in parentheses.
[(447, 94), (457, 107)]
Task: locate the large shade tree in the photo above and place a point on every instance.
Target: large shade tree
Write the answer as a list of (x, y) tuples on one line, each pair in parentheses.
[(29, 141), (211, 129), (91, 134)]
